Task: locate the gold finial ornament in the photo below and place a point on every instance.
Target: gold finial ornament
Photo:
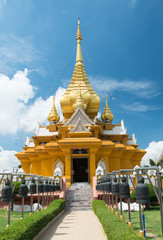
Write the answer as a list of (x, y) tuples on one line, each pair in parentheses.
[(79, 101), (107, 115), (78, 35), (87, 93), (53, 115)]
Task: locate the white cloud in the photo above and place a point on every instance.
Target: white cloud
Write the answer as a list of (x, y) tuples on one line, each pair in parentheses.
[(17, 50), (16, 113), (153, 152), (60, 91), (8, 160), (141, 89), (2, 2), (133, 2), (138, 107), (98, 115)]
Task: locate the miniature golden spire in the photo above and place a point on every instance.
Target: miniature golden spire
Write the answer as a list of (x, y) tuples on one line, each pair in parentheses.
[(79, 57), (79, 100), (107, 115), (53, 115)]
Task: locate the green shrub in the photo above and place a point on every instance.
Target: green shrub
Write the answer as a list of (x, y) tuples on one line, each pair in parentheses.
[(29, 227), (114, 228), (152, 195)]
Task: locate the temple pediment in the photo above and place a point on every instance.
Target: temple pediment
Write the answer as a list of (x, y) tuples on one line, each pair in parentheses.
[(79, 127), (79, 114)]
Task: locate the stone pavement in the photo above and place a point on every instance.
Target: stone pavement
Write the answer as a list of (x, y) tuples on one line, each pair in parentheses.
[(75, 225)]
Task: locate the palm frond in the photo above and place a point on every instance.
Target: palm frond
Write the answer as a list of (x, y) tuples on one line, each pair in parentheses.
[(152, 163)]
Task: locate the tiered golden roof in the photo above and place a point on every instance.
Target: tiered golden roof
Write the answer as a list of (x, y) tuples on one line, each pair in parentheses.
[(53, 115), (87, 94), (107, 115)]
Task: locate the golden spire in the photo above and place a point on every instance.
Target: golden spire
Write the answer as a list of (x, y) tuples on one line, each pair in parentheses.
[(53, 115), (86, 94), (79, 100), (107, 115), (79, 57), (78, 35)]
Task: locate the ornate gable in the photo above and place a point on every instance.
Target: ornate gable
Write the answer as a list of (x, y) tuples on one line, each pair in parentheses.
[(79, 127), (79, 114)]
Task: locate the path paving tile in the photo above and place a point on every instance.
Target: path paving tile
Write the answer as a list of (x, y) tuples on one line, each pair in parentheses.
[(75, 225)]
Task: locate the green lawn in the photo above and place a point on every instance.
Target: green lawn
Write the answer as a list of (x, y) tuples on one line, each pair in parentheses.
[(152, 222), (15, 216)]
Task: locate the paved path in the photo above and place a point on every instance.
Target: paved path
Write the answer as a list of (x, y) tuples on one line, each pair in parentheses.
[(75, 225)]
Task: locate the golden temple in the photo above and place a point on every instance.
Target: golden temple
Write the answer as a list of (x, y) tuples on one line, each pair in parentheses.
[(80, 143)]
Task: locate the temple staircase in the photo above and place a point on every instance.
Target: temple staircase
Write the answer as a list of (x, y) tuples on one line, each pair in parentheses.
[(79, 197)]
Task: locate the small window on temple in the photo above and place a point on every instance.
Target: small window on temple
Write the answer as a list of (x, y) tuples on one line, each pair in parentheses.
[(117, 142), (80, 151), (42, 143)]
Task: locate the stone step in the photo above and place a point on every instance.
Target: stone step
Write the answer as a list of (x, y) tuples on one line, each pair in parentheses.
[(79, 197)]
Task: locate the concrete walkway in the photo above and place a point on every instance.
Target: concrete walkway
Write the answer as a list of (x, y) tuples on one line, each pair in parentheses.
[(75, 225)]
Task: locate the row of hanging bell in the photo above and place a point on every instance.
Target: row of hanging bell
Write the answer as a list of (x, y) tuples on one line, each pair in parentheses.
[(49, 187), (123, 188)]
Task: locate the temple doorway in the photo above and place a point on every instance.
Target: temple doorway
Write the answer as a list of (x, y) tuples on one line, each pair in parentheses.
[(80, 170)]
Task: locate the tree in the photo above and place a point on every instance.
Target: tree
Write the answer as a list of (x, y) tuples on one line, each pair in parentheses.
[(156, 164)]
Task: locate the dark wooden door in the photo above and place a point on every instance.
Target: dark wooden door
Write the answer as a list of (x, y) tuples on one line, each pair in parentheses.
[(80, 169)]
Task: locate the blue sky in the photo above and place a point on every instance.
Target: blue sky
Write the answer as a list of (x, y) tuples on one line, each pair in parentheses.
[(122, 51)]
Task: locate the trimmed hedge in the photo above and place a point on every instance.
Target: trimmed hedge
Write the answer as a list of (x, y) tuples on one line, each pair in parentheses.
[(114, 228), (29, 227), (152, 195)]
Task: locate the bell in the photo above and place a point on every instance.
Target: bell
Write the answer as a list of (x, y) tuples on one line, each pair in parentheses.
[(115, 187), (46, 186), (23, 189), (142, 193), (6, 192), (40, 187), (103, 185), (32, 187), (98, 186), (57, 186), (124, 189), (50, 187), (54, 187), (108, 185)]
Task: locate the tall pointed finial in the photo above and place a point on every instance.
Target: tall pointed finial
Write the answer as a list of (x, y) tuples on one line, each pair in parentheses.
[(107, 115), (53, 115), (79, 57), (79, 100), (78, 35)]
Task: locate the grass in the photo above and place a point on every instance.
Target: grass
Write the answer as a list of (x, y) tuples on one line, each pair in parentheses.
[(15, 216), (152, 222), (30, 226)]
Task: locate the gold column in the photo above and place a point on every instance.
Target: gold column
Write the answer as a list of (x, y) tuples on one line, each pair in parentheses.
[(47, 167), (115, 157), (92, 165), (136, 158), (26, 166), (126, 157), (67, 167), (36, 167)]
